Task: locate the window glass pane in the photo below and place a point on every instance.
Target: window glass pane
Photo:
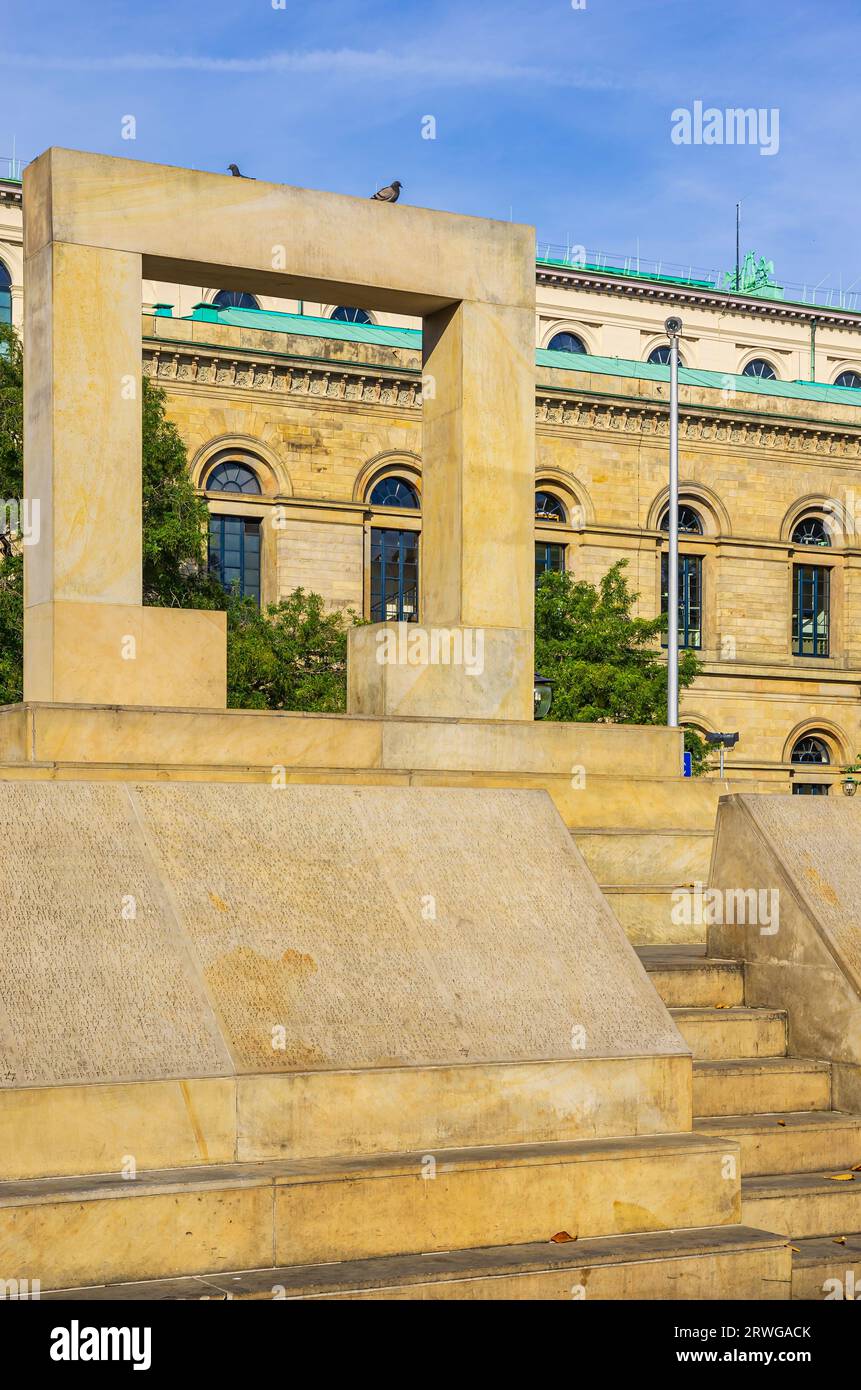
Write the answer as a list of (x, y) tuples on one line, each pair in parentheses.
[(810, 610), (394, 575), (549, 555), (690, 598), (234, 553)]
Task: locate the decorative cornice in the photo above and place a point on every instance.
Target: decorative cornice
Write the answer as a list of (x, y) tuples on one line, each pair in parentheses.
[(359, 382), (315, 379), (563, 277)]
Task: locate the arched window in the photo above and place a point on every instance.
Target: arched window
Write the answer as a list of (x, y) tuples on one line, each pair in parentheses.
[(232, 476), (810, 749), (234, 299), (851, 379), (394, 492), (345, 314), (759, 367), (660, 356), (5, 295), (811, 530), (690, 522), (566, 342), (549, 508)]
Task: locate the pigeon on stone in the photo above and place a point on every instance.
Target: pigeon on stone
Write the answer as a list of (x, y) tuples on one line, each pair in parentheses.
[(389, 194), (234, 169)]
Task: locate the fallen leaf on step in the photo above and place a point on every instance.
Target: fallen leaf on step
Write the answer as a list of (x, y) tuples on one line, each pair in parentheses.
[(562, 1238), (856, 1167), (839, 1240), (722, 1006), (842, 1177), (782, 1122), (795, 1248)]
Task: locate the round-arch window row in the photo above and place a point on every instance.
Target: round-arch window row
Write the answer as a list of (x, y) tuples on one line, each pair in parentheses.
[(850, 379), (394, 492), (232, 476)]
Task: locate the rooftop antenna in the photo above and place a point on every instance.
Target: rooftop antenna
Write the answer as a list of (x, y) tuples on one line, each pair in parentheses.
[(737, 248)]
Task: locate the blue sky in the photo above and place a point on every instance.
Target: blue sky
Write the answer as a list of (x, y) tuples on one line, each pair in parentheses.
[(553, 115)]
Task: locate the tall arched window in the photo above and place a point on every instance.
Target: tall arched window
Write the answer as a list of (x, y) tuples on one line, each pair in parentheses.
[(690, 580), (5, 295), (394, 555), (566, 342), (347, 314), (234, 541), (549, 555), (810, 751), (234, 299), (760, 368)]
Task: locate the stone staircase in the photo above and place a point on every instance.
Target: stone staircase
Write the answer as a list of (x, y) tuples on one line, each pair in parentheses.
[(795, 1149), (652, 1216)]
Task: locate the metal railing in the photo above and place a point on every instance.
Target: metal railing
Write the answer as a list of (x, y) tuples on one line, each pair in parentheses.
[(11, 168), (634, 267)]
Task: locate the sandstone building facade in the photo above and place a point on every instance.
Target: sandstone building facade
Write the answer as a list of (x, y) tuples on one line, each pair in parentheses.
[(303, 428)]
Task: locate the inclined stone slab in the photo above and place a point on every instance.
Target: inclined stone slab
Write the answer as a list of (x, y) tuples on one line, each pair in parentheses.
[(301, 928)]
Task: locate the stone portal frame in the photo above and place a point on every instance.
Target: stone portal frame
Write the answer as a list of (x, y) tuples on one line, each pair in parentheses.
[(94, 227)]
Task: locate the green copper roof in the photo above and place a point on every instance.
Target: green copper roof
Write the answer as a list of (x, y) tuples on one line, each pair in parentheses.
[(305, 325), (716, 381), (270, 321)]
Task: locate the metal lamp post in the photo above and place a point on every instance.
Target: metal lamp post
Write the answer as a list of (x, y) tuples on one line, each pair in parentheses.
[(674, 328)]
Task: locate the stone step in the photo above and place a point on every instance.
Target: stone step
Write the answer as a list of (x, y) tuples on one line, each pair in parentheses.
[(646, 912), (803, 1204), (103, 1229), (686, 978), (730, 1034), (754, 1085), (805, 1141), (715, 1262), (823, 1268)]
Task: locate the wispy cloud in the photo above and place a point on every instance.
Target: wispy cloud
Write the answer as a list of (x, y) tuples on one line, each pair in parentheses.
[(380, 63)]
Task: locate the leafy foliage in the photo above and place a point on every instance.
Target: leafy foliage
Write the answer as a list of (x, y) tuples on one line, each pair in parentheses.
[(293, 656), (603, 661), (175, 518)]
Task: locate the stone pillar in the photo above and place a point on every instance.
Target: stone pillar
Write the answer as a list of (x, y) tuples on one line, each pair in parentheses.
[(87, 637), (472, 653)]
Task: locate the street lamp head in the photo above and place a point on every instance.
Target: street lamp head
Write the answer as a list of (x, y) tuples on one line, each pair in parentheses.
[(673, 326)]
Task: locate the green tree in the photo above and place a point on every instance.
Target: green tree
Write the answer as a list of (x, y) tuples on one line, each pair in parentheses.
[(175, 518), (11, 486), (293, 656), (603, 661)]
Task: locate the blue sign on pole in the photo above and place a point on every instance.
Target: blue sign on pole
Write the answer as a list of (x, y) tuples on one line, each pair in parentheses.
[(688, 765)]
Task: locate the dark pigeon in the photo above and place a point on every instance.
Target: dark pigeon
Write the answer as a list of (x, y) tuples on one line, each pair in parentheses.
[(389, 194), (234, 169)]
